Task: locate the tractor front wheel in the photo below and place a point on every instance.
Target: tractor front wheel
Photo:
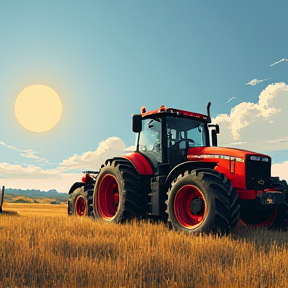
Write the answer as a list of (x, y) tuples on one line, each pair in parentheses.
[(80, 201), (202, 201), (274, 218)]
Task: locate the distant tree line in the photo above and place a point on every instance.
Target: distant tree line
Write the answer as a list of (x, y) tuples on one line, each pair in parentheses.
[(33, 193)]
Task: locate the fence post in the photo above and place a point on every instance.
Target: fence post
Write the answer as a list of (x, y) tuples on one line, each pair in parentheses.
[(2, 198)]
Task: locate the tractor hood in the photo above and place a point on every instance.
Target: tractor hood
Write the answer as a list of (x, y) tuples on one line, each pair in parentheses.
[(198, 153), (246, 169)]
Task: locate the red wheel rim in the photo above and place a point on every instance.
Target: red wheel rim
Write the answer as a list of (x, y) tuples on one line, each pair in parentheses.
[(108, 197), (266, 223), (190, 207), (80, 206)]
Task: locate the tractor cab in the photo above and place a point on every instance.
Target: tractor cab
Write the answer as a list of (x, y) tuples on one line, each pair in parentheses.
[(166, 134)]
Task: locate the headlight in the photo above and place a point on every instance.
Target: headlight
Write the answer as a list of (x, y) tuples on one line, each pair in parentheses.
[(265, 159), (255, 158)]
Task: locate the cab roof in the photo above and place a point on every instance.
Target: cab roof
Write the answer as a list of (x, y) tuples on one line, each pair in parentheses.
[(172, 111)]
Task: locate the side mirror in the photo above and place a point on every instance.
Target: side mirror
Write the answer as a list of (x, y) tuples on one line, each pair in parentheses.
[(217, 128), (137, 123), (214, 133), (214, 138)]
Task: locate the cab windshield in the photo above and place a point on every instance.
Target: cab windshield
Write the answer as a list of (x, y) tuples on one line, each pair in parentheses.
[(185, 132)]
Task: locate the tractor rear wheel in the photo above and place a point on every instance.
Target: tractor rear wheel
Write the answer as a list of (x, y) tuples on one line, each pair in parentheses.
[(118, 192), (79, 201), (274, 218), (202, 201)]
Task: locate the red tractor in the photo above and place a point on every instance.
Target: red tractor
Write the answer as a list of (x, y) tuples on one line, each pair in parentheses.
[(178, 174)]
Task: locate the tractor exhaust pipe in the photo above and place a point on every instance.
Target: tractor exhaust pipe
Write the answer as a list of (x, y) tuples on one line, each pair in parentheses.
[(208, 111)]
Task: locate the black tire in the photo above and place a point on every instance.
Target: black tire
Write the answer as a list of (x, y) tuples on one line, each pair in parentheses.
[(202, 201), (79, 201), (118, 192), (274, 218), (89, 189), (280, 185)]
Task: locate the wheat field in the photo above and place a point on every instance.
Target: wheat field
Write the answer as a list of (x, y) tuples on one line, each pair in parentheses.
[(40, 246)]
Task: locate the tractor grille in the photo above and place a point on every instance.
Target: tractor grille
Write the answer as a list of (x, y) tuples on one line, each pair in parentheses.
[(258, 172)]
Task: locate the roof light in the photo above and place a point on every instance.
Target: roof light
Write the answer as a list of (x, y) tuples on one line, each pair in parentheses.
[(143, 109), (162, 108)]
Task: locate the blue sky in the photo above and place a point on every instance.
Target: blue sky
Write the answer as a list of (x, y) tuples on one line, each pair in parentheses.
[(106, 59)]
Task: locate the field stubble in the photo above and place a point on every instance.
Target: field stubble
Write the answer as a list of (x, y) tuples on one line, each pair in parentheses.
[(49, 249)]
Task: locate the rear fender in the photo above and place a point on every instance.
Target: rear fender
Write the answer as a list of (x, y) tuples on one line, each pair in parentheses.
[(140, 162), (75, 186)]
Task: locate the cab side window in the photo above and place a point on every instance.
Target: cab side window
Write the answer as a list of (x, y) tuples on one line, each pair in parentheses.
[(150, 138)]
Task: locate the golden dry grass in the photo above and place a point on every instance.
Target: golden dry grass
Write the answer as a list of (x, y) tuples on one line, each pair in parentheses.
[(37, 209), (42, 247)]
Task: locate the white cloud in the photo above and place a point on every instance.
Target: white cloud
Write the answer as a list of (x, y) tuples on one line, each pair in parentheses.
[(33, 177), (16, 170), (236, 143), (280, 170), (280, 61), (28, 153), (232, 98), (130, 149), (277, 141), (92, 160), (261, 126), (254, 82)]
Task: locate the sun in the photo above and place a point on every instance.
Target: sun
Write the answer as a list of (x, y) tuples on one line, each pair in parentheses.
[(38, 108)]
